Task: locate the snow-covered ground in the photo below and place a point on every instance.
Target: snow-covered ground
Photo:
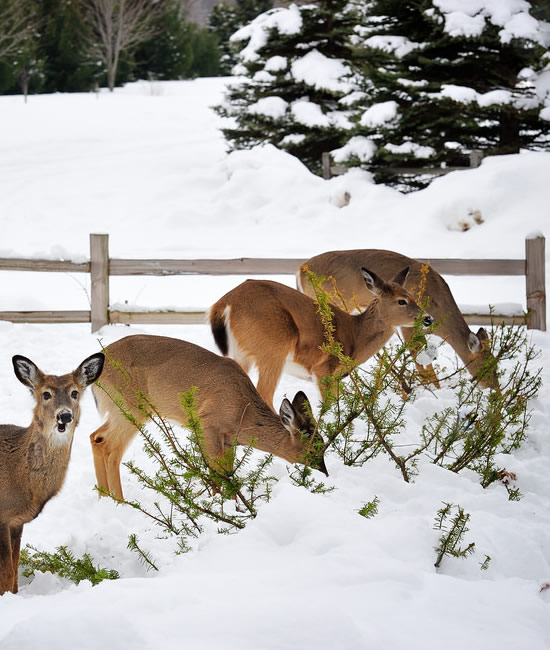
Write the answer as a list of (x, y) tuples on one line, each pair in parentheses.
[(147, 165)]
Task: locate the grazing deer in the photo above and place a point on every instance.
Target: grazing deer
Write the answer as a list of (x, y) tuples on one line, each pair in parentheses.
[(34, 459), (229, 407), (275, 327), (339, 269)]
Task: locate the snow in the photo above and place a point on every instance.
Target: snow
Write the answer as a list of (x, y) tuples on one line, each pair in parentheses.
[(284, 20), (378, 114), (319, 71), (148, 165), (399, 45), (274, 107), (358, 146), (469, 18), (418, 151)]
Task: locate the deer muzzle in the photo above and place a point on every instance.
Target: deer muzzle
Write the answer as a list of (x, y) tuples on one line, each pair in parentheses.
[(63, 419), (428, 320)]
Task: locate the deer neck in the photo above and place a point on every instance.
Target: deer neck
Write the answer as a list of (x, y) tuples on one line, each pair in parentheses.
[(47, 458), (262, 429), (370, 333)]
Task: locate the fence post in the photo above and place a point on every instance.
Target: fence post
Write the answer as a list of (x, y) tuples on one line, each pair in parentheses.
[(99, 270), (476, 157), (325, 157), (535, 281)]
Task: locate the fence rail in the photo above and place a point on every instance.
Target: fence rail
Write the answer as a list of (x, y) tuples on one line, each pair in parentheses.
[(101, 267)]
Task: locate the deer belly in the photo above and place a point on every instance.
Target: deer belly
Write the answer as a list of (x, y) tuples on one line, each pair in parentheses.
[(297, 370)]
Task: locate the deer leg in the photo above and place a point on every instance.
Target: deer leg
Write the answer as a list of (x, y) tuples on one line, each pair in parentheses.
[(6, 560), (269, 372), (426, 373), (97, 441), (109, 443), (16, 532)]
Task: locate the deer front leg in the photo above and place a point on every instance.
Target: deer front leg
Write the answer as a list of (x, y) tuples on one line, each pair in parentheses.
[(16, 533), (6, 560), (426, 373)]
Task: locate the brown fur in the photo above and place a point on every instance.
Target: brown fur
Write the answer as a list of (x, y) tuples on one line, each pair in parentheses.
[(271, 323), (340, 267), (34, 459), (229, 407)]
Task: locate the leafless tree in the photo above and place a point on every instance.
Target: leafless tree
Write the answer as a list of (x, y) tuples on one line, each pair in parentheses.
[(17, 21), (119, 26)]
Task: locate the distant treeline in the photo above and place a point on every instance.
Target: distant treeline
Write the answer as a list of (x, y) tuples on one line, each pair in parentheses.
[(78, 45)]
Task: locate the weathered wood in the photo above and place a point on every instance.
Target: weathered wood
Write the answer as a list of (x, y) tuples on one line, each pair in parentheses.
[(200, 317), (495, 319), (535, 282), (46, 316), (273, 266), (60, 266), (99, 270), (476, 267), (325, 159), (476, 157), (181, 318), (240, 266), (158, 317)]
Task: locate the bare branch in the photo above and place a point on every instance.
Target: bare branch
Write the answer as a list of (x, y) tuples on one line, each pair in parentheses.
[(17, 21), (120, 26)]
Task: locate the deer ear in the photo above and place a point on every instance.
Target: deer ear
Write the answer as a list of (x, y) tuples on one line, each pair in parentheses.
[(401, 277), (288, 415), (474, 344), (374, 283), (482, 334), (90, 369), (26, 371), (300, 403)]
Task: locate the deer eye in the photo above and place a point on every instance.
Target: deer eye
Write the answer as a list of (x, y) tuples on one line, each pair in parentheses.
[(46, 395), (402, 301), (74, 394)]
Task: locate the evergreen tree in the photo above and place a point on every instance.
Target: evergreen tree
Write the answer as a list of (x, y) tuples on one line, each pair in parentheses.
[(169, 53), (294, 63), (437, 86), (69, 65), (226, 19)]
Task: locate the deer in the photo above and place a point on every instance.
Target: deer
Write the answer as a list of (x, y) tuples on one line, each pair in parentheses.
[(230, 409), (276, 328), (34, 459), (347, 292)]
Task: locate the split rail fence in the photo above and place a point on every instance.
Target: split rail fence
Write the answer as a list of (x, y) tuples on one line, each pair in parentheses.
[(101, 267)]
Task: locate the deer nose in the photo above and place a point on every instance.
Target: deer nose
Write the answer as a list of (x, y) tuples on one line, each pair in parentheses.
[(428, 320), (65, 417)]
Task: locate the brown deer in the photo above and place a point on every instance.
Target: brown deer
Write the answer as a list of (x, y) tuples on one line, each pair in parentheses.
[(275, 327), (229, 407), (34, 459), (339, 269)]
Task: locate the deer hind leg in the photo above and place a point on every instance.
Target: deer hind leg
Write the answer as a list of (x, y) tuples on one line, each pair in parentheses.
[(426, 373), (270, 368), (109, 443)]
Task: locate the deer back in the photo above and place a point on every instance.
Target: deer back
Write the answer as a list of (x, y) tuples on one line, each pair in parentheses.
[(148, 374), (347, 292)]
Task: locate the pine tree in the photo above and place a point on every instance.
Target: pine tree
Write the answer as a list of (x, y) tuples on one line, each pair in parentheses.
[(225, 20), (69, 66), (434, 89), (294, 62), (169, 53)]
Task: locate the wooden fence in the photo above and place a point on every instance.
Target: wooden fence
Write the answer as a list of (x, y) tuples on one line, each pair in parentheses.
[(101, 268), (330, 170)]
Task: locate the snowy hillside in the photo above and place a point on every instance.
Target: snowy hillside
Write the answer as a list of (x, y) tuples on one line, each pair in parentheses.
[(147, 165)]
